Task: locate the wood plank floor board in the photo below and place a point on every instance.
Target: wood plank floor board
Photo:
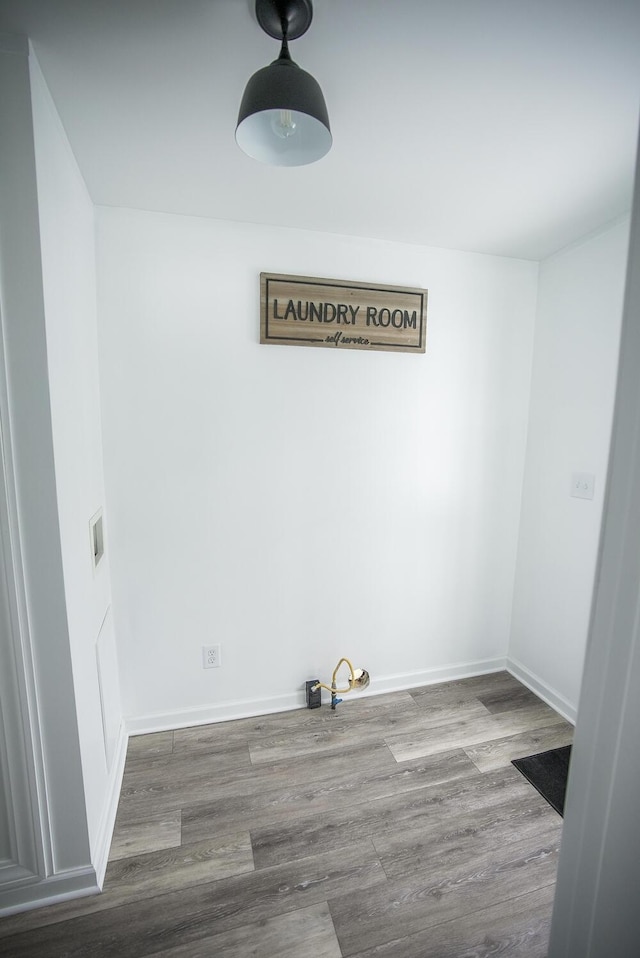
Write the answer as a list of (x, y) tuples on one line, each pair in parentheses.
[(395, 826), (512, 928), (308, 931), (498, 753), (506, 700), (469, 732), (439, 893), (441, 713), (144, 746), (460, 690), (170, 869), (417, 849), (156, 832), (177, 766)]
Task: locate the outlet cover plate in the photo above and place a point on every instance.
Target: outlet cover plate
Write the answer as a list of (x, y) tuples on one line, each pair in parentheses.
[(210, 656)]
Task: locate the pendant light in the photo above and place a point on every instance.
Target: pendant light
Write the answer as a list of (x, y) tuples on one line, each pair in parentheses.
[(283, 118)]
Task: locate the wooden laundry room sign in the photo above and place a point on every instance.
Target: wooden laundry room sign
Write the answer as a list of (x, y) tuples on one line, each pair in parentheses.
[(306, 311)]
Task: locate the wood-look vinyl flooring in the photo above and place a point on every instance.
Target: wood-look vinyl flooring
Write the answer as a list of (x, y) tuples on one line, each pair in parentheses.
[(394, 827)]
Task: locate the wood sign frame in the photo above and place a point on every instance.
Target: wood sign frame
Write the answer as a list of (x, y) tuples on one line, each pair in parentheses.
[(308, 311)]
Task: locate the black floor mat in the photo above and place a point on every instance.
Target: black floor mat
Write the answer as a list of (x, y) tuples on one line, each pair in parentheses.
[(548, 771)]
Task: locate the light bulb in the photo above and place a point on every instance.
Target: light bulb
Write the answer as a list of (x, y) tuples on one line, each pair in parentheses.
[(283, 124)]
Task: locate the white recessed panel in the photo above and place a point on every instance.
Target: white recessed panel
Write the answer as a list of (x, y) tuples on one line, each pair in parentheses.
[(108, 681)]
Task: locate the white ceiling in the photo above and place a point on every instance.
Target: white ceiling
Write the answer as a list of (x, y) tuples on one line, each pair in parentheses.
[(499, 126)]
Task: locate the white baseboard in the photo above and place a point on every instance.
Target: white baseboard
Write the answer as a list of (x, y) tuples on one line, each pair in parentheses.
[(542, 690), (74, 883), (207, 714), (77, 882), (446, 673), (105, 831), (247, 708)]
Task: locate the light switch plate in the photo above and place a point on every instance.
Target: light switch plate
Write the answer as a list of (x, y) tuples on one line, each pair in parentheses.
[(583, 485)]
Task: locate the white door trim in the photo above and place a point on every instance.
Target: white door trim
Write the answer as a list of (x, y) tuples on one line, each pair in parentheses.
[(21, 755)]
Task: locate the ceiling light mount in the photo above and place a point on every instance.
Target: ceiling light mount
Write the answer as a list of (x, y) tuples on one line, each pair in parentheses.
[(283, 119), (284, 19)]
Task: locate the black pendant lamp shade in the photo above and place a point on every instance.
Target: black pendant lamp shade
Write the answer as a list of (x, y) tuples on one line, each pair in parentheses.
[(283, 118)]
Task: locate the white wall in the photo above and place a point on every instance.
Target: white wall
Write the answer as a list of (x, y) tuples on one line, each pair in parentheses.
[(67, 238), (572, 392), (299, 504)]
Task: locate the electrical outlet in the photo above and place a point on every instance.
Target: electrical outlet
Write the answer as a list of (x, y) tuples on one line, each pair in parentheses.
[(210, 656)]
